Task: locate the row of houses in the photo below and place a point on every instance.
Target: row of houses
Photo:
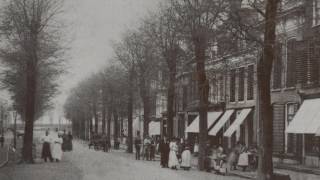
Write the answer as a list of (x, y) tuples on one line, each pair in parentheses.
[(232, 115)]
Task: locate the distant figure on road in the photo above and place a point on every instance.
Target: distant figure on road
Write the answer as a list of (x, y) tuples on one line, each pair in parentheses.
[(69, 139), (2, 140), (56, 148), (46, 150), (65, 139), (137, 144)]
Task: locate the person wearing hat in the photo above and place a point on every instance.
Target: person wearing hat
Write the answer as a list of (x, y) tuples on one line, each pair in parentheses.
[(186, 158)]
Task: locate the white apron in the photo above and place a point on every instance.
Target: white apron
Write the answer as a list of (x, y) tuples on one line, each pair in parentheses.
[(56, 148), (186, 159), (173, 160), (243, 159)]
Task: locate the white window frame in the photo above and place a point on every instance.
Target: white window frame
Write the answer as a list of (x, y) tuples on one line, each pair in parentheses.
[(316, 12)]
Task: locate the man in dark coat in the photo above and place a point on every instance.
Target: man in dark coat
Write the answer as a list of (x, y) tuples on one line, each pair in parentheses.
[(137, 144), (164, 152)]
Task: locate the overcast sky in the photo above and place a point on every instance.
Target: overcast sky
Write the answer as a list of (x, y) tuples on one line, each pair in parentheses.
[(93, 25)]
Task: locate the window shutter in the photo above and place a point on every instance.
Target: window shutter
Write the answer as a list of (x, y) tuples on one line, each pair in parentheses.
[(232, 85), (241, 84), (291, 64), (301, 57), (250, 81), (277, 68)]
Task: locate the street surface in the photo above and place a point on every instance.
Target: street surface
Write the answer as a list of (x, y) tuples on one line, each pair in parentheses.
[(85, 164)]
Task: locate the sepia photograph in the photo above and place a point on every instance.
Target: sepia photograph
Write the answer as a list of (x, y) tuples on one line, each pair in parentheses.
[(159, 89)]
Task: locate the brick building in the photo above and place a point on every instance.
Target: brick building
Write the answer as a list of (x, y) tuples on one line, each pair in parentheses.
[(295, 90)]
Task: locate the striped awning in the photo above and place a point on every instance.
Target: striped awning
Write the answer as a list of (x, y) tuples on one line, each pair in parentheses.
[(212, 118), (222, 121), (236, 124)]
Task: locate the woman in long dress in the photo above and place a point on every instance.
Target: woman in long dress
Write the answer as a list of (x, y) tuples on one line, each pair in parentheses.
[(244, 159), (173, 160), (186, 159), (56, 148)]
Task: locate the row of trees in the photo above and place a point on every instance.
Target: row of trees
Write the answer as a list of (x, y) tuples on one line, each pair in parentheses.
[(166, 41), (31, 54)]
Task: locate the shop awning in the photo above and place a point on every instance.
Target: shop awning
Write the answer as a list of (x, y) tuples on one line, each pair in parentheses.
[(216, 128), (154, 128), (236, 124), (194, 126), (307, 119)]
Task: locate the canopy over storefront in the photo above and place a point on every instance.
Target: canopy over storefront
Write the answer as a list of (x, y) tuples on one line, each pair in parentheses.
[(236, 124), (212, 117), (216, 128), (307, 119), (154, 128)]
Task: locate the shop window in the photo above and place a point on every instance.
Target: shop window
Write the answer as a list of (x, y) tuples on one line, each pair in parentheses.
[(241, 84), (232, 85), (292, 108), (316, 12), (250, 81), (312, 144)]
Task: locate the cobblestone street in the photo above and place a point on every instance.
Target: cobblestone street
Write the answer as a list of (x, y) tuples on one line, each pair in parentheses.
[(88, 164)]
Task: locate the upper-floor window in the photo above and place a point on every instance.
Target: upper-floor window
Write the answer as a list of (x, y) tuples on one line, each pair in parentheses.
[(316, 12), (232, 85), (250, 82), (277, 68), (241, 84), (291, 64)]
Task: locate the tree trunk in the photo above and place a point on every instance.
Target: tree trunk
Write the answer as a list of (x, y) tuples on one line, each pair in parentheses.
[(203, 88), (130, 112), (96, 119), (116, 125), (146, 113), (109, 117), (103, 118), (90, 123), (171, 92), (265, 169), (30, 112), (144, 93)]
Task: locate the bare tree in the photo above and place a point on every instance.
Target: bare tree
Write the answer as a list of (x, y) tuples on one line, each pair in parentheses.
[(31, 34)]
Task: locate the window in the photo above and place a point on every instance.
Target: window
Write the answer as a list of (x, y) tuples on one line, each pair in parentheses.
[(232, 85), (277, 68), (291, 64), (316, 12), (221, 89), (292, 108), (312, 144), (313, 69), (241, 84), (250, 81)]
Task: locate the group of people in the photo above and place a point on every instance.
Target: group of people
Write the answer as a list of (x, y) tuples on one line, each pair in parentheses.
[(239, 156), (176, 153), (54, 145), (147, 147), (179, 154)]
